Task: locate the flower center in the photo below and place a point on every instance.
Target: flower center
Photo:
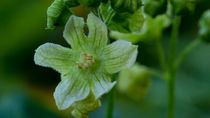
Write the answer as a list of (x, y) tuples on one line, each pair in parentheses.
[(86, 60)]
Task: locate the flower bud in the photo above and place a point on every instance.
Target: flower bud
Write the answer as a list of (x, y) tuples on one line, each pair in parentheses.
[(90, 3), (82, 109), (154, 27), (204, 25), (182, 7), (126, 5), (155, 7), (57, 14), (134, 82)]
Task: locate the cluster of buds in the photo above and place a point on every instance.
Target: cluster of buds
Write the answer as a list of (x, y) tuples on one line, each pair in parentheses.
[(86, 60)]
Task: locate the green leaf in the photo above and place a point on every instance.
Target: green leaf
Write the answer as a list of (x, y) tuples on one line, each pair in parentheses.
[(98, 35), (119, 55), (71, 89), (136, 20), (151, 31), (74, 33), (53, 13), (57, 14), (55, 56), (123, 22)]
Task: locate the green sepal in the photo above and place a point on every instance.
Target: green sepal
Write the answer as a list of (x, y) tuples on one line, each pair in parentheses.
[(183, 7), (155, 7), (204, 26), (126, 5), (57, 14)]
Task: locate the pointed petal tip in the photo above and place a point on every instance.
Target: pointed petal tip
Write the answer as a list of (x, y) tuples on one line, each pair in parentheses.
[(107, 90), (120, 55)]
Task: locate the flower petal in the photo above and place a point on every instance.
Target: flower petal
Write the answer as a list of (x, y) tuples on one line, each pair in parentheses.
[(101, 84), (119, 55), (71, 89), (74, 32), (54, 56), (97, 32)]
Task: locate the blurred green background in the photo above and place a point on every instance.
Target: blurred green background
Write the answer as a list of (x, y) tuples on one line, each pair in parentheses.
[(26, 90)]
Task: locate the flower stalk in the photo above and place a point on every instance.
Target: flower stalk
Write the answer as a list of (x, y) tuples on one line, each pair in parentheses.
[(172, 70), (110, 101)]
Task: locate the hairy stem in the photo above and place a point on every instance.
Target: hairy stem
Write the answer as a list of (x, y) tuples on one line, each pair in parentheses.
[(172, 71)]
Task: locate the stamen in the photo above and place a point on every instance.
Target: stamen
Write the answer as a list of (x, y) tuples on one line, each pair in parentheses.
[(86, 60)]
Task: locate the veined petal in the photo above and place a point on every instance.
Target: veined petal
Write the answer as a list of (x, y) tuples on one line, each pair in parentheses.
[(74, 32), (119, 55), (71, 89), (101, 84), (97, 32), (54, 56)]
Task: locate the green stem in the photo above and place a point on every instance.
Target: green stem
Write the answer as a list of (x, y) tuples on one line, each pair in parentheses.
[(156, 73), (110, 103), (171, 95), (174, 34), (161, 55), (172, 71), (181, 56)]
